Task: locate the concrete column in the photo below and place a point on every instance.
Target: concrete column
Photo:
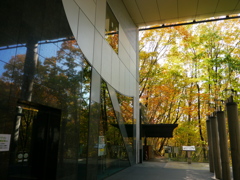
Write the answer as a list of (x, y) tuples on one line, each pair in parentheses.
[(216, 149), (226, 175), (234, 134), (210, 151), (140, 137)]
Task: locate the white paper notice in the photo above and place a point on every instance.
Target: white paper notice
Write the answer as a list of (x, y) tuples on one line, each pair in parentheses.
[(4, 142)]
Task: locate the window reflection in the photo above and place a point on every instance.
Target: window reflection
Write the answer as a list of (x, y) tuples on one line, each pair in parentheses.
[(126, 106), (60, 79), (112, 154), (64, 81), (111, 29), (41, 62)]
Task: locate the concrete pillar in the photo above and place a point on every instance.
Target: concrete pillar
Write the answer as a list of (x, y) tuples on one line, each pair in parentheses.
[(140, 137), (210, 151), (234, 134), (216, 149), (226, 175)]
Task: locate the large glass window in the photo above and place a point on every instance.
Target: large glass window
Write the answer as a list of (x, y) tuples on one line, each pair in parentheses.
[(126, 106), (60, 116), (111, 29), (41, 62), (112, 153)]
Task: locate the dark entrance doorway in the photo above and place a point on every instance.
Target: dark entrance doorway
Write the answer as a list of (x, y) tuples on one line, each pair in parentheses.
[(34, 148)]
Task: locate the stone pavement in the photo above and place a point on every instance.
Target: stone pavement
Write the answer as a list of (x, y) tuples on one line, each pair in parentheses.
[(165, 170)]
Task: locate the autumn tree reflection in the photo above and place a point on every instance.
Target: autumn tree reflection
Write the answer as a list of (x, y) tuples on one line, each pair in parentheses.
[(62, 81)]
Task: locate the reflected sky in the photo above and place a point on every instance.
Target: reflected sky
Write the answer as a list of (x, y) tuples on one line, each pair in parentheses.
[(9, 52), (46, 49)]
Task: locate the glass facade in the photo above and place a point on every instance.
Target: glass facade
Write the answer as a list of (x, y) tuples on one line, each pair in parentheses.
[(112, 152), (59, 112), (126, 107)]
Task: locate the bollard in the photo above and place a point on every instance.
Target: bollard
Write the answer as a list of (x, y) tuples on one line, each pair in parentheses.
[(210, 151), (234, 134), (223, 146), (216, 149)]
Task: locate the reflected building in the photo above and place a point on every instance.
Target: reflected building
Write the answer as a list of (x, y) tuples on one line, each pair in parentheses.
[(68, 78)]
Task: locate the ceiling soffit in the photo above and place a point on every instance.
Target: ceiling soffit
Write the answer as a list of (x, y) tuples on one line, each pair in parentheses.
[(155, 12)]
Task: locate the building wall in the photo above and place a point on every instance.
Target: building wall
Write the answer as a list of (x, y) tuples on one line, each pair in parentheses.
[(87, 21), (64, 89)]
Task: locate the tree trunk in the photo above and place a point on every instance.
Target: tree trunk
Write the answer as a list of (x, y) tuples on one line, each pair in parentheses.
[(199, 122)]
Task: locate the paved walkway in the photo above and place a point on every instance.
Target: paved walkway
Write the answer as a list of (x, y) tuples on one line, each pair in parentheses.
[(165, 170)]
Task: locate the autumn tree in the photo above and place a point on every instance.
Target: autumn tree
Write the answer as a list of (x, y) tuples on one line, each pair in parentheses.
[(182, 70)]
